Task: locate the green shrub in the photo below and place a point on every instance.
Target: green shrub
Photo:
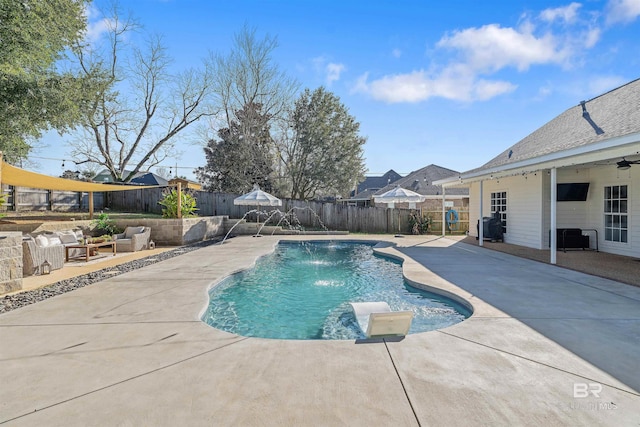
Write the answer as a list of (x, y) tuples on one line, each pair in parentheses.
[(104, 225), (419, 224), (3, 200), (170, 203)]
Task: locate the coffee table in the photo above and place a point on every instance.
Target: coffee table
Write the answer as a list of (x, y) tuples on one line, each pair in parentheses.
[(90, 247)]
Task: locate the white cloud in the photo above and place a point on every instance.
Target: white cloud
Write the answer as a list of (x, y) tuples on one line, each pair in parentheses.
[(622, 11), (592, 37), (555, 36), (455, 83), (333, 72), (492, 47), (567, 14), (96, 24)]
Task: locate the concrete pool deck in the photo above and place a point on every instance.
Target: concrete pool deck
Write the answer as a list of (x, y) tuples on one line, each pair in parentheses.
[(545, 345)]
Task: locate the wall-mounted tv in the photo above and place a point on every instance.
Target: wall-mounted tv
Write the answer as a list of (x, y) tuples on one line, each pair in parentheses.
[(573, 192)]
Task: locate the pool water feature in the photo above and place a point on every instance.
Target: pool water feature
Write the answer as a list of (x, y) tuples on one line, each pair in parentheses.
[(303, 290)]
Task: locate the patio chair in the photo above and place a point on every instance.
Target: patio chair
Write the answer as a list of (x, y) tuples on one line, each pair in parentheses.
[(133, 239), (377, 320)]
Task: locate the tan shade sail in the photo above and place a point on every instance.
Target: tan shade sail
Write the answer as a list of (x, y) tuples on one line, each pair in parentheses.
[(12, 175)]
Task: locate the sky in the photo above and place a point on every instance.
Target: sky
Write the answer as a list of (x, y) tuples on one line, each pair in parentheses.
[(449, 83)]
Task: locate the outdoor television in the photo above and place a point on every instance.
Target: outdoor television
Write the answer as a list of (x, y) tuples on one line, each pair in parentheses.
[(573, 192)]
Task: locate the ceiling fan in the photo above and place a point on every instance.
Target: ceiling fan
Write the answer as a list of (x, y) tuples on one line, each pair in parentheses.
[(625, 164)]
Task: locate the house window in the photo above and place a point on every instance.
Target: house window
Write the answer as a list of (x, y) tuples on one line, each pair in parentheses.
[(615, 214), (499, 204)]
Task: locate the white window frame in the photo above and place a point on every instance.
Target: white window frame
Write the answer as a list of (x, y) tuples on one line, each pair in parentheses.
[(499, 203), (616, 205)]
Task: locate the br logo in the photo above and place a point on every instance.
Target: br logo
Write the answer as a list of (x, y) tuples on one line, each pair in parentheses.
[(581, 390)]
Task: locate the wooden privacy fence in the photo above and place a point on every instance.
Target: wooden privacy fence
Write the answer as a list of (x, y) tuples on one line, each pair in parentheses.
[(308, 214), (461, 226), (34, 199)]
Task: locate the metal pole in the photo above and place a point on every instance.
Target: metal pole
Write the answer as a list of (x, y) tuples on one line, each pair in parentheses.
[(553, 243), (443, 218), (480, 221)]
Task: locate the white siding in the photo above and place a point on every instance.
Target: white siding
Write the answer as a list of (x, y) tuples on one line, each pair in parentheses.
[(524, 208), (610, 175), (573, 214), (590, 214)]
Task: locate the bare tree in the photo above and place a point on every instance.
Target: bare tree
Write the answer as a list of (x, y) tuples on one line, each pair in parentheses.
[(141, 106), (245, 78)]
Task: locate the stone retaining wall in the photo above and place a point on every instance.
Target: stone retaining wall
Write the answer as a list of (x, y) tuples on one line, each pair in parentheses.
[(176, 232), (10, 261)]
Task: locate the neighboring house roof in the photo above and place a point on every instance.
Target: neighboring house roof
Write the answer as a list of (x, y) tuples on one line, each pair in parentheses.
[(150, 178), (588, 125), (146, 178), (421, 181), (377, 182), (365, 195)]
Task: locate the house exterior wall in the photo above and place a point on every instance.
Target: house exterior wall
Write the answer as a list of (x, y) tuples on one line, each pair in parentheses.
[(529, 206), (590, 213), (524, 208)]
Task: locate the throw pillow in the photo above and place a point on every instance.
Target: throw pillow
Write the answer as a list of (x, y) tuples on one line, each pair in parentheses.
[(67, 237), (54, 240), (130, 231), (42, 241)]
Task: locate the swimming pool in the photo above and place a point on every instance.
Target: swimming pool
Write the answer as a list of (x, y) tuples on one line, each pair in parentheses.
[(303, 289)]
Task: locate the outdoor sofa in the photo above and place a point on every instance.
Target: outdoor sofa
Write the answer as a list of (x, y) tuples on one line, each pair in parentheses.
[(49, 247)]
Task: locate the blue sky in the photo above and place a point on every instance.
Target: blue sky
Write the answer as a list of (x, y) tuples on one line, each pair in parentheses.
[(450, 83)]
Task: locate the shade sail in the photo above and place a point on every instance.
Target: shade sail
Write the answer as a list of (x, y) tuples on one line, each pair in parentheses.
[(257, 198), (15, 176), (399, 195)]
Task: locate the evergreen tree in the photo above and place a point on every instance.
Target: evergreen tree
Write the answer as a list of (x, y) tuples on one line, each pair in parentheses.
[(241, 157), (34, 95), (323, 155)]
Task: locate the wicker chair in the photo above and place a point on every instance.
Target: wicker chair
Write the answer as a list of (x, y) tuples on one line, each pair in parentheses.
[(133, 239)]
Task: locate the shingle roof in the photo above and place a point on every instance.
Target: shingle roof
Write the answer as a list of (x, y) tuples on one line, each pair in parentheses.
[(613, 114), (149, 178), (377, 182), (421, 181)]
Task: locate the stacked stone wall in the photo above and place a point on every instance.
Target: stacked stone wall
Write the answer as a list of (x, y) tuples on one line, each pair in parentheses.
[(10, 262)]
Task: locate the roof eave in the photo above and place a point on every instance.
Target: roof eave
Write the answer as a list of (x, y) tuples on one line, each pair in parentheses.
[(602, 150)]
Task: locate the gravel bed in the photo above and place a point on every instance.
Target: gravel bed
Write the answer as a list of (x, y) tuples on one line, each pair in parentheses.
[(12, 302)]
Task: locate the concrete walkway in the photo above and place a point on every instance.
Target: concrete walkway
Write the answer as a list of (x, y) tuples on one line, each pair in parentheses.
[(545, 346)]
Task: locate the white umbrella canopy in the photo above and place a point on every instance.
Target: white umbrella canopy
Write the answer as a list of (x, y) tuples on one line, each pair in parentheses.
[(399, 195), (257, 197)]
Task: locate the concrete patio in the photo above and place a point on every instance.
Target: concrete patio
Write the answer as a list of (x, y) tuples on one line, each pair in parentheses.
[(545, 345)]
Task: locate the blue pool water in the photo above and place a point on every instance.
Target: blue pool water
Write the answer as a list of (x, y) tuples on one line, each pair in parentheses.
[(303, 290)]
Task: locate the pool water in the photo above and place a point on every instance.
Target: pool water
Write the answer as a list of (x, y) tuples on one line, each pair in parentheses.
[(303, 290)]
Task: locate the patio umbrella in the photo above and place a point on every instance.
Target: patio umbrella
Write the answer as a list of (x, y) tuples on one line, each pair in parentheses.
[(399, 195), (257, 197)]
